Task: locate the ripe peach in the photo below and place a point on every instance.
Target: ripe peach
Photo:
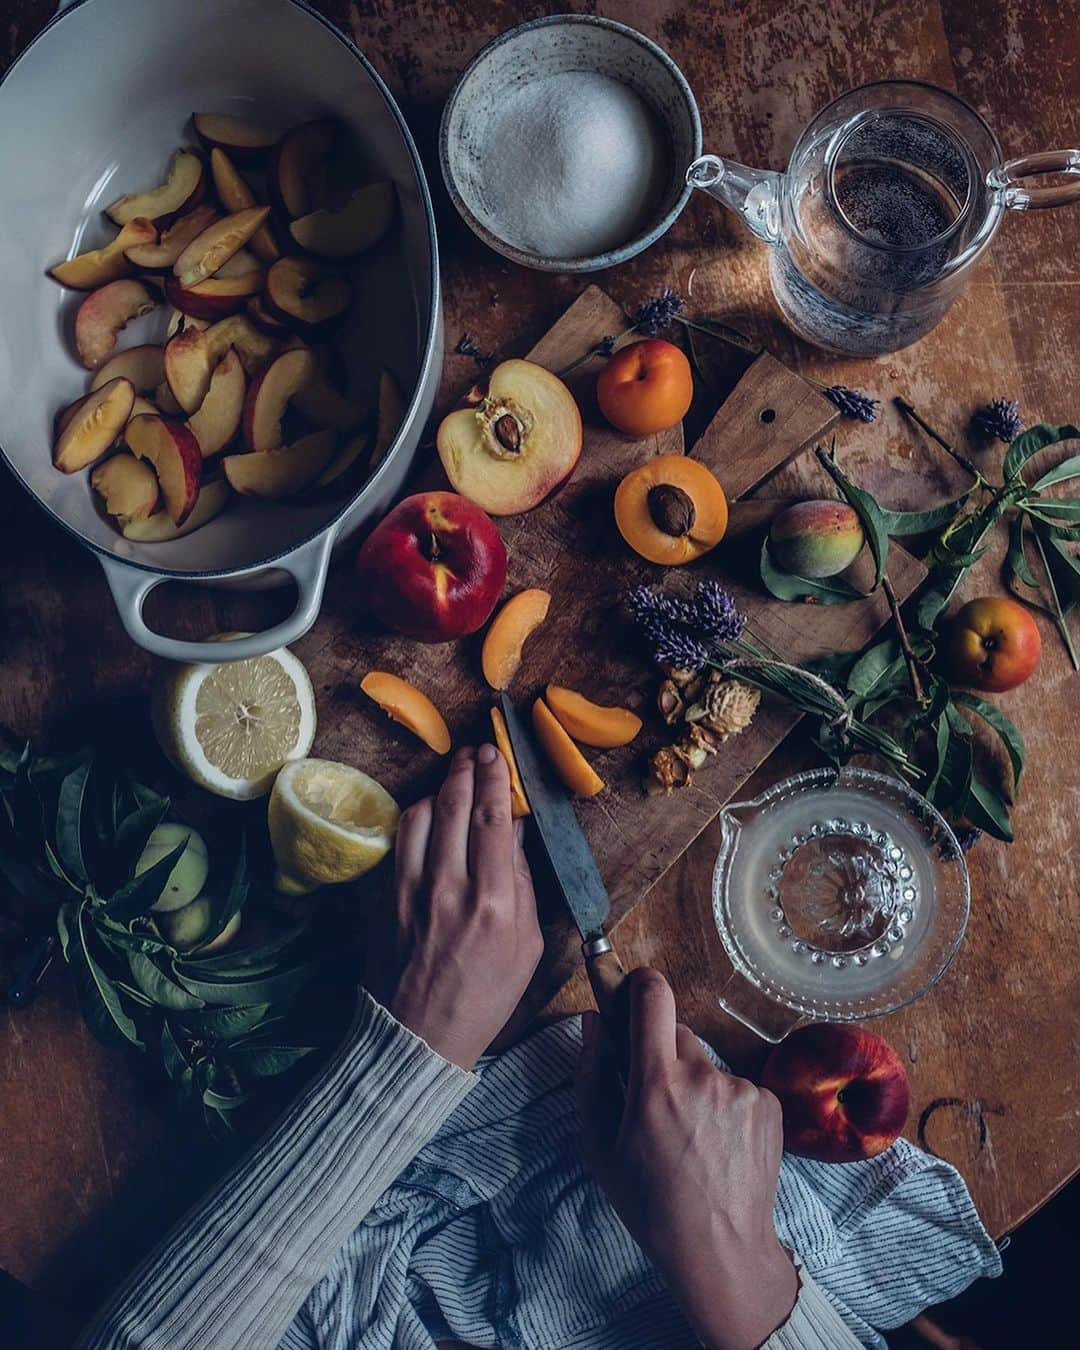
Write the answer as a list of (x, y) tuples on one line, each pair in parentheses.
[(645, 388), (992, 644), (816, 539)]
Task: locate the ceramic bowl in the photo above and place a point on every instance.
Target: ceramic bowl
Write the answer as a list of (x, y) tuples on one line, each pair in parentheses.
[(560, 44), (95, 107)]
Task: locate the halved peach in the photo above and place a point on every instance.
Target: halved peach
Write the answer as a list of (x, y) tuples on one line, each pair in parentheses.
[(522, 614), (269, 396), (187, 368), (323, 404), (592, 724), (519, 803), (569, 763), (284, 471), (265, 321), (184, 187), (157, 257), (255, 349), (208, 252), (350, 230), (348, 456), (90, 427), (99, 266), (244, 141), (174, 453), (159, 529), (293, 160), (391, 415), (235, 194), (144, 366), (217, 420), (302, 294), (516, 442), (404, 703), (127, 486), (102, 316)]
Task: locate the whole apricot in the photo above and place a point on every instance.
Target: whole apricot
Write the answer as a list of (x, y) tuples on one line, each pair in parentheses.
[(816, 539), (645, 388), (992, 644)]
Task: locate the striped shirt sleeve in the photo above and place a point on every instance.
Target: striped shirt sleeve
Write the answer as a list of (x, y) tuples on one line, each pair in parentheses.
[(238, 1267), (813, 1323)]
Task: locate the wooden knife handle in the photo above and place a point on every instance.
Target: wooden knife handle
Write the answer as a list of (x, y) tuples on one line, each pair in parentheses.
[(608, 980)]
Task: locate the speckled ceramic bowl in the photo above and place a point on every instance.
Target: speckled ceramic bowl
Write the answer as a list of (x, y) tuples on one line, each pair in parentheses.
[(561, 44)]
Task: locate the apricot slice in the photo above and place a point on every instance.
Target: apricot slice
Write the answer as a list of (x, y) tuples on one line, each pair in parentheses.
[(519, 803), (570, 764), (591, 723), (500, 656), (671, 510), (403, 702)]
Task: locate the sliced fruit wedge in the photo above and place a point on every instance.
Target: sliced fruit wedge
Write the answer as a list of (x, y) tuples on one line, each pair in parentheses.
[(187, 368), (324, 405), (519, 803), (235, 194), (91, 426), (217, 420), (174, 453), (255, 349), (163, 397), (568, 761), (284, 471), (214, 495), (209, 251), (351, 455), (128, 488), (594, 724), (269, 396), (220, 295), (144, 366), (184, 187), (102, 316), (294, 158), (99, 266), (301, 293), (143, 407), (264, 320), (391, 415), (149, 256), (350, 230), (178, 319), (500, 657), (245, 141), (404, 703)]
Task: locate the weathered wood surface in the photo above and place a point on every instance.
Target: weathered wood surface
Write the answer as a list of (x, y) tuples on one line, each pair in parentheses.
[(990, 1051)]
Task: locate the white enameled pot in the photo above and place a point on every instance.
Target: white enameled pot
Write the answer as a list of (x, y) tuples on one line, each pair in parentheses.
[(93, 108)]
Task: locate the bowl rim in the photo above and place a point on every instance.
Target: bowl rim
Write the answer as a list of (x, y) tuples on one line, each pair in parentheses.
[(586, 262), (429, 356)]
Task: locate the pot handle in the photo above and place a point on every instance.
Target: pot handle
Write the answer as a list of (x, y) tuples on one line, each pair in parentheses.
[(1008, 180), (307, 565), (742, 1000)]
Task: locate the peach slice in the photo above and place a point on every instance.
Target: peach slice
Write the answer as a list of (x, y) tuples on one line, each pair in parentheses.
[(143, 406), (350, 230), (208, 252), (102, 316), (90, 427), (324, 405), (236, 195), (174, 453), (244, 141), (500, 657), (128, 487), (143, 366), (184, 187), (221, 295), (159, 529), (218, 418), (178, 319), (163, 397), (99, 266), (294, 158), (255, 349), (149, 256), (347, 457), (269, 395), (516, 442), (284, 471), (264, 320), (569, 763), (301, 294), (391, 416), (592, 724), (519, 803), (187, 368), (405, 704)]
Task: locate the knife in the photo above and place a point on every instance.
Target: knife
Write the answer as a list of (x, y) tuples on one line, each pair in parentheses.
[(578, 877)]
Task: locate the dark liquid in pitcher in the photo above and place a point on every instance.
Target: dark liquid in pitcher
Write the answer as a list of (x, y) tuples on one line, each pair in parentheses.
[(896, 204)]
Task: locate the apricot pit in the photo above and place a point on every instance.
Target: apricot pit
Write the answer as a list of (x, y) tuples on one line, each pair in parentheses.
[(671, 510)]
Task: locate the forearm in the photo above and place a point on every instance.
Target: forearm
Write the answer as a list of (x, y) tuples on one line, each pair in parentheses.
[(234, 1272)]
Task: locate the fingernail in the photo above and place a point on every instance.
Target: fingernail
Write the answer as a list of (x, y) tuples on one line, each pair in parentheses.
[(486, 754)]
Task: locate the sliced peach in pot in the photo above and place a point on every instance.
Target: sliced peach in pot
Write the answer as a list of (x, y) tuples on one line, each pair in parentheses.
[(519, 803), (102, 316), (128, 488), (149, 256), (159, 529), (349, 456), (187, 368), (99, 266), (568, 761), (235, 194), (219, 296), (178, 319), (522, 614), (294, 158), (263, 320), (144, 366), (404, 703), (517, 441), (350, 230), (591, 723), (283, 471), (91, 426), (324, 405), (208, 252), (671, 510), (176, 459), (302, 294), (391, 416), (184, 187), (163, 397), (244, 141), (217, 420), (255, 349), (269, 395)]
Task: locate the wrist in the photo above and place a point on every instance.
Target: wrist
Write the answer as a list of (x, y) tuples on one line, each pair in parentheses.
[(741, 1302), (417, 1006)]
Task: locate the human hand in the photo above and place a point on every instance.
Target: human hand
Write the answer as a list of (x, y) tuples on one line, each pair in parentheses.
[(690, 1163), (466, 910)]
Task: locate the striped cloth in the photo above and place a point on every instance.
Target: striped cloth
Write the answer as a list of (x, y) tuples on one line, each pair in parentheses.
[(494, 1235)]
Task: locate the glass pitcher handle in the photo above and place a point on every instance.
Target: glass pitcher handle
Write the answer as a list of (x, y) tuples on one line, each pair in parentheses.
[(1008, 179)]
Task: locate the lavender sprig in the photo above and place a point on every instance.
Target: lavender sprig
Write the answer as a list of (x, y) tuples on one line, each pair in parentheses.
[(658, 313), (968, 837), (467, 346), (716, 614), (999, 420), (859, 407)]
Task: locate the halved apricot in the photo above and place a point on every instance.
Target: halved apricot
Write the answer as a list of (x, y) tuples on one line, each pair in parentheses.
[(522, 614), (591, 723), (570, 764), (671, 510), (519, 803), (403, 702)]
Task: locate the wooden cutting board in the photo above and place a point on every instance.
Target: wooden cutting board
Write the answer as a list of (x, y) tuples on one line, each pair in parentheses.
[(571, 548)]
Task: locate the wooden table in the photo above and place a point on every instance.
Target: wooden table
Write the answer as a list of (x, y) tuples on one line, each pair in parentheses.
[(84, 1157)]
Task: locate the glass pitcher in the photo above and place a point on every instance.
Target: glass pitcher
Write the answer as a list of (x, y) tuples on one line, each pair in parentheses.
[(892, 193)]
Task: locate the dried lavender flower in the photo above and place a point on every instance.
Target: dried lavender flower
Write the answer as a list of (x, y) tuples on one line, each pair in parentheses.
[(968, 837), (467, 346), (650, 607), (676, 647), (657, 313), (715, 613), (999, 420), (663, 620), (606, 345), (851, 403)]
